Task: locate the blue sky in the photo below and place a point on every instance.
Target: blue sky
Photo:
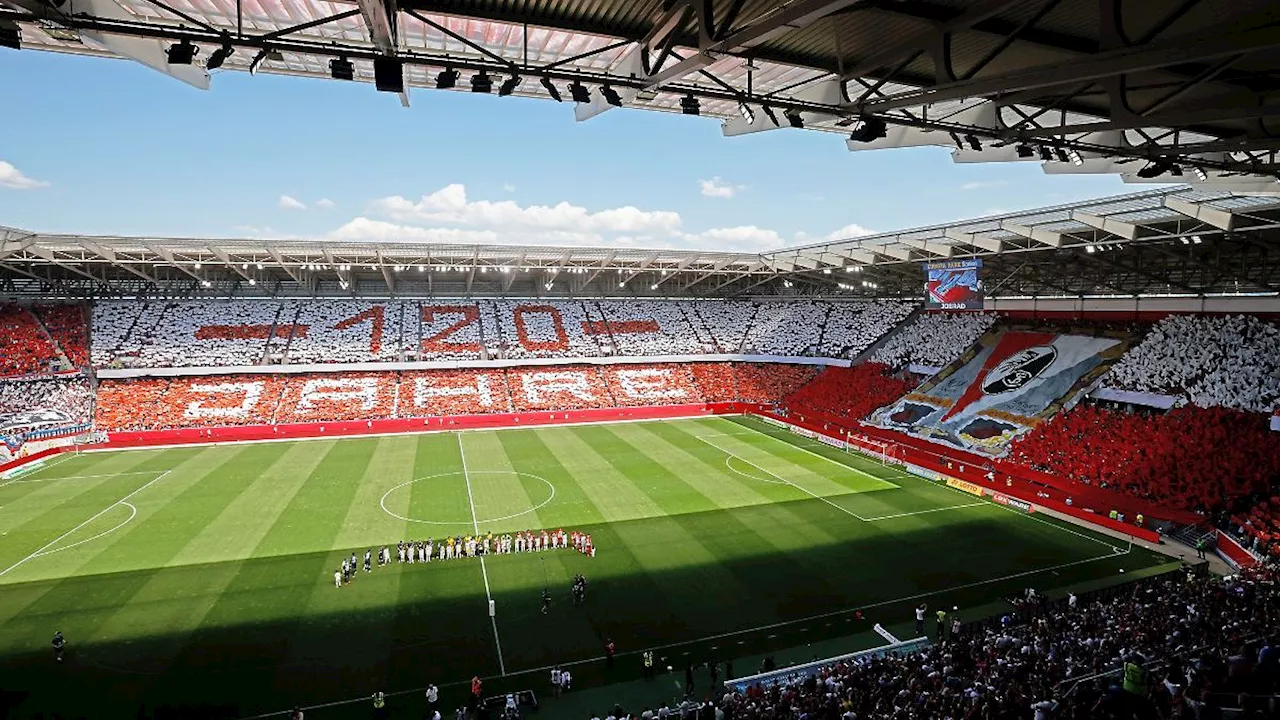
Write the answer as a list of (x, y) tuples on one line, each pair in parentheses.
[(108, 146)]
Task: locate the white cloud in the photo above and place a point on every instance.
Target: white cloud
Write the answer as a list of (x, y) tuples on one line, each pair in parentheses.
[(450, 216), (508, 187), (289, 203), (12, 178), (450, 205), (983, 184), (325, 204), (717, 188)]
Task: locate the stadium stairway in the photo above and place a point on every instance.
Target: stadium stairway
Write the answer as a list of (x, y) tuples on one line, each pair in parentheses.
[(53, 341), (865, 354)]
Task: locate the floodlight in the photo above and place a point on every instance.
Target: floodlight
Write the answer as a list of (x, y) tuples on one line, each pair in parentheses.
[(340, 68), (868, 129), (509, 85), (747, 113), (481, 83), (610, 95), (579, 92), (768, 111), (551, 89), (1074, 155), (1061, 155), (219, 56), (1154, 170), (1195, 239), (447, 79), (1175, 170), (973, 141), (10, 35), (689, 105), (1025, 151), (388, 74), (263, 55), (1201, 175), (1090, 249), (794, 118), (182, 53)]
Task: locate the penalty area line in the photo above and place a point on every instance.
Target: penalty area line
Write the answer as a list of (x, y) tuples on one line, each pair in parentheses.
[(100, 513), (475, 524)]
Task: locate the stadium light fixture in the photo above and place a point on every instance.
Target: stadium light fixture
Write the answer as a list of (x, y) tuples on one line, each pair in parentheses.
[(446, 79), (769, 113), (1186, 240), (252, 281), (1045, 154), (826, 271), (653, 287), (1090, 249), (182, 53), (263, 55), (340, 68), (796, 120), (481, 83), (689, 105), (205, 283), (551, 89), (1061, 155), (1201, 175), (579, 92), (259, 266), (868, 129), (1155, 169), (1175, 170), (973, 141), (610, 95), (219, 56), (198, 266), (1075, 158), (1195, 239), (509, 85), (747, 113), (10, 35), (1025, 151)]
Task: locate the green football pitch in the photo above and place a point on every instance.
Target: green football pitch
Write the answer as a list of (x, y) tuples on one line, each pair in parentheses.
[(193, 574)]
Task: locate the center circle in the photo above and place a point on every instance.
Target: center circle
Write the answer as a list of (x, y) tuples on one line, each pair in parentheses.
[(461, 481)]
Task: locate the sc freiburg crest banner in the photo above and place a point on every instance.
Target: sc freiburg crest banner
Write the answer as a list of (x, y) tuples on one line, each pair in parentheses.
[(1002, 387)]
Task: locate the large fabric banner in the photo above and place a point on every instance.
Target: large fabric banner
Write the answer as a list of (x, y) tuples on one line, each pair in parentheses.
[(1002, 387)]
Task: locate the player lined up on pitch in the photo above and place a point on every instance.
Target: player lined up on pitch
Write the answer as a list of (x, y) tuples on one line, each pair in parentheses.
[(465, 546)]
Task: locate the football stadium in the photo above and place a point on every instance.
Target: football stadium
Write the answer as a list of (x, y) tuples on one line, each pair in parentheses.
[(1019, 464)]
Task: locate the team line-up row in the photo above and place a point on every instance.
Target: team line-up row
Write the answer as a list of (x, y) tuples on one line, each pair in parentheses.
[(462, 546)]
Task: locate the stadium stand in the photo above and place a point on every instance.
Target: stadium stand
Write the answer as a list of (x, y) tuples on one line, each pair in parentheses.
[(933, 339), (853, 327), (652, 384), (338, 396), (1189, 458), (453, 331), (542, 329), (71, 395), (1230, 361), (761, 383), (726, 321), (25, 348), (645, 327), (786, 328), (137, 405), (848, 393), (344, 331), (562, 387), (717, 382), (1196, 645), (186, 334), (454, 392), (69, 328), (1257, 526)]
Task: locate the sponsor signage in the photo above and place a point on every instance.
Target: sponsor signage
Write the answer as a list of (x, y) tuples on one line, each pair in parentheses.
[(1012, 502), (966, 486), (833, 442)]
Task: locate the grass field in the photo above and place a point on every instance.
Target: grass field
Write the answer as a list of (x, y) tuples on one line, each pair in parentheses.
[(206, 573)]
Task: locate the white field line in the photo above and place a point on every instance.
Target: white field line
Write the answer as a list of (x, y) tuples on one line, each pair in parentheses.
[(475, 523), (133, 512), (78, 477), (783, 480), (1002, 507), (55, 541), (931, 510), (833, 461)]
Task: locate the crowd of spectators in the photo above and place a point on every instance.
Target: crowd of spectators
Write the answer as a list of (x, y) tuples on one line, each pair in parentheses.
[(69, 328), (1184, 645), (855, 326), (1228, 361), (258, 399), (1189, 458), (25, 348), (251, 332), (70, 395), (1257, 525), (850, 393), (933, 339)]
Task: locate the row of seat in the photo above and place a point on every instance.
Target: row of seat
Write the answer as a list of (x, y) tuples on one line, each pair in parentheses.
[(245, 333), (153, 403)]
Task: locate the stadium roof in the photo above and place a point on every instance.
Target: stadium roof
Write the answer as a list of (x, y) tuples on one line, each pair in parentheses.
[(1168, 241), (1147, 90)]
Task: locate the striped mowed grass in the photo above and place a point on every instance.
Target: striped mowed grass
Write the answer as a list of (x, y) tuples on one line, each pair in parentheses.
[(205, 573)]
